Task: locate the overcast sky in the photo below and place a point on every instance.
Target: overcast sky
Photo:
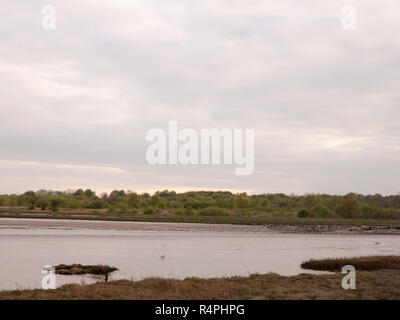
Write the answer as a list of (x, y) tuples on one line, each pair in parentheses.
[(76, 102)]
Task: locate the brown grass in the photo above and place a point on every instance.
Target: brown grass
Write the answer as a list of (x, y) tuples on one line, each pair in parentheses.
[(83, 269), (369, 263), (383, 284)]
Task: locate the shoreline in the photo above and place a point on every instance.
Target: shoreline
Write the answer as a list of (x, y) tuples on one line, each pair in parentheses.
[(152, 224)]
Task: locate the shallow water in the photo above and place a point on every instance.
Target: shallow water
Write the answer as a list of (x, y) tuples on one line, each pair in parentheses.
[(27, 245)]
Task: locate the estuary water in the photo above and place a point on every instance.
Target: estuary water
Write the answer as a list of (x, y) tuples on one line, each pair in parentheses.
[(141, 250)]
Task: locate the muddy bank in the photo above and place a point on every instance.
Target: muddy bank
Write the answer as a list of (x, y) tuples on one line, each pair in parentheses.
[(335, 229), (24, 223)]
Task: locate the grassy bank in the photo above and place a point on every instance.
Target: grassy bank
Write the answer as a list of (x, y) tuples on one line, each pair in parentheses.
[(244, 220), (371, 263), (383, 284)]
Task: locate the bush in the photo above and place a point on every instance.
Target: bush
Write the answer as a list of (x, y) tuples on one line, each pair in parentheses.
[(148, 211), (97, 204), (303, 213), (42, 204), (367, 211), (121, 207), (212, 211), (55, 203), (348, 209), (174, 204), (189, 212), (179, 212), (320, 211), (73, 204)]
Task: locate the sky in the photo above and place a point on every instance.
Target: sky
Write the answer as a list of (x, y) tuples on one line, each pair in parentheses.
[(77, 101)]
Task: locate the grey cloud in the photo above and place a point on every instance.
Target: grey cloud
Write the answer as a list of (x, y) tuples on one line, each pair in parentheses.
[(323, 101)]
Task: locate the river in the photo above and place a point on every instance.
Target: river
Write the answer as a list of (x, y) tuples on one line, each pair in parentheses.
[(140, 250)]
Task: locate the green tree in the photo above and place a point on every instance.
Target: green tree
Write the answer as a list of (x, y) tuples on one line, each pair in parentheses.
[(42, 203), (241, 201), (90, 194), (133, 200), (31, 199), (348, 208), (320, 210), (55, 203)]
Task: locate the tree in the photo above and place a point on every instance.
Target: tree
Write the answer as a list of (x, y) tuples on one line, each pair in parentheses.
[(79, 193), (31, 199), (98, 204), (42, 203), (55, 203), (348, 208), (117, 196), (320, 210), (90, 194), (154, 200), (311, 200), (133, 200), (241, 201)]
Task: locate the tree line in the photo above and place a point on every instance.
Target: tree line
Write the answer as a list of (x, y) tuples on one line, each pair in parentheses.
[(209, 203)]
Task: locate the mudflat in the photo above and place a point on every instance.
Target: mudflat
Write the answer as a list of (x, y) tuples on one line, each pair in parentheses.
[(69, 224)]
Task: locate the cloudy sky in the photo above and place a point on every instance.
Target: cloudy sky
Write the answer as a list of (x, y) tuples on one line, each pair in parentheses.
[(76, 102)]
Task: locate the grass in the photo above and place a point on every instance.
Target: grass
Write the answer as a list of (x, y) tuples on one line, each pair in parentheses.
[(370, 263), (244, 220), (74, 269), (381, 284)]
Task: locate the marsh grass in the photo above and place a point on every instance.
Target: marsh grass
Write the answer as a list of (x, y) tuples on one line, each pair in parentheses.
[(382, 284), (77, 269), (368, 263)]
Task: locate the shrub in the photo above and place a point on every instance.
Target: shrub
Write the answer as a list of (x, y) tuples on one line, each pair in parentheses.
[(179, 212), (121, 207), (174, 204), (348, 209), (303, 213), (189, 212), (55, 203), (212, 211), (42, 204), (97, 204), (241, 201), (148, 211), (320, 211), (74, 204)]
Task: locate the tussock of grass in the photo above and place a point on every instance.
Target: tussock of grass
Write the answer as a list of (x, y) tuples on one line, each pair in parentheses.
[(74, 269), (369, 263)]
